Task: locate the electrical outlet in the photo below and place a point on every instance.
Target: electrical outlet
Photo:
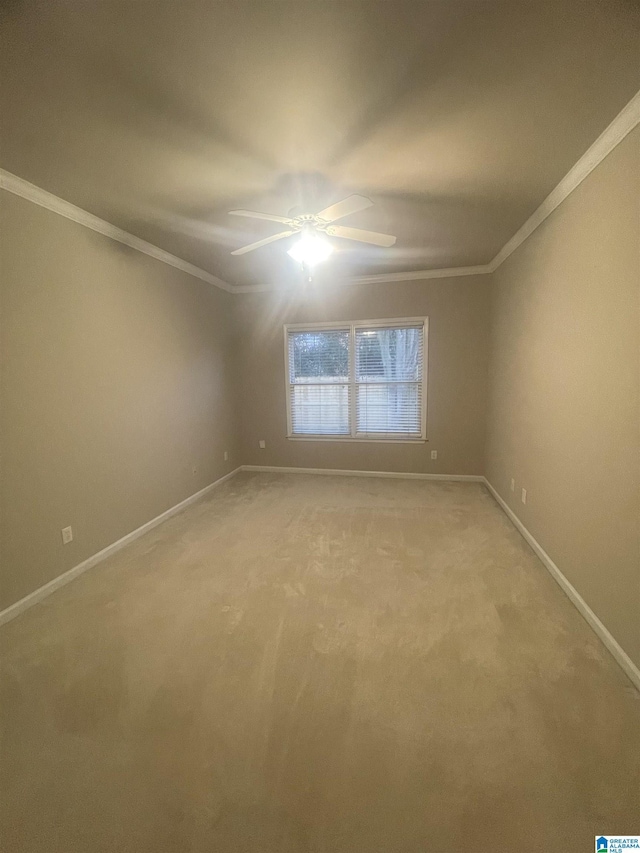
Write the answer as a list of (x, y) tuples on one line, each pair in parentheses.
[(434, 454), (523, 497), (226, 456), (67, 535), (262, 443), (513, 485)]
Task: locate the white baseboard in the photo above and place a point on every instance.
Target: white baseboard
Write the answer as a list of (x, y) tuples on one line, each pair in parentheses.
[(340, 472), (621, 657), (42, 592)]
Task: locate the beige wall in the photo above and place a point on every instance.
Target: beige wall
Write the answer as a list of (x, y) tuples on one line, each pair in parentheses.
[(457, 382), (565, 369), (115, 384)]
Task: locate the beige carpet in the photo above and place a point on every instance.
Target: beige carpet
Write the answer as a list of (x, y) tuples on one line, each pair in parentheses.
[(308, 663)]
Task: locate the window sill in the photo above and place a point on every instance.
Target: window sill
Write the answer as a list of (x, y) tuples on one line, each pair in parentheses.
[(356, 440)]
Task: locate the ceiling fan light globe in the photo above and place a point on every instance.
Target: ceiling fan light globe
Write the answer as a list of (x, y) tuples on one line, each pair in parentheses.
[(311, 249)]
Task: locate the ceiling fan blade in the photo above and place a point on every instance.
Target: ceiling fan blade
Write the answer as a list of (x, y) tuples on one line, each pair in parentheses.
[(254, 214), (373, 237), (264, 242), (346, 207)]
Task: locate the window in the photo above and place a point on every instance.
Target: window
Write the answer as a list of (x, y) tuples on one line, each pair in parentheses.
[(357, 380)]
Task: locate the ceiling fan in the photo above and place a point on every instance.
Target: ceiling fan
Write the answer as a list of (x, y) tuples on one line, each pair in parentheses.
[(312, 247)]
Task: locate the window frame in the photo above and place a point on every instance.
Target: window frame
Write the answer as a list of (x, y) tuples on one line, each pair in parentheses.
[(351, 326)]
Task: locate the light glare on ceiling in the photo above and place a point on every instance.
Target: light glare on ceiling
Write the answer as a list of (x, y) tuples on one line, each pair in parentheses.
[(310, 250)]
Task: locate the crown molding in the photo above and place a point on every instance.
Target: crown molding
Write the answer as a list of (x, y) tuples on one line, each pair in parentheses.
[(621, 125), (612, 136), (30, 192)]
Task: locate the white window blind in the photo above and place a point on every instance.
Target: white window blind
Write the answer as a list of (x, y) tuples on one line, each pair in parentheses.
[(319, 382), (388, 379), (357, 380)]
